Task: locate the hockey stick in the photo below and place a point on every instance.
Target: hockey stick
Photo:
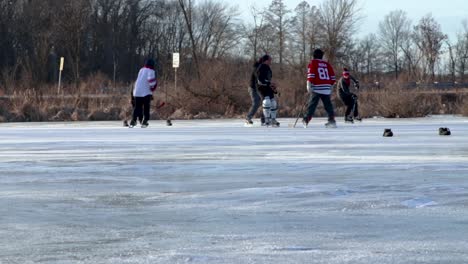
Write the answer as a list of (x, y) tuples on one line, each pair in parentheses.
[(354, 105), (126, 123), (161, 105), (168, 121), (300, 114)]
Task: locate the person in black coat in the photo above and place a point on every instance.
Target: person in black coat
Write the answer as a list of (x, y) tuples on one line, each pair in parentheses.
[(260, 83), (344, 86)]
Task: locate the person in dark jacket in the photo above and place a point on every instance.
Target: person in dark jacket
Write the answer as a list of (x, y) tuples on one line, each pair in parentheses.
[(261, 82), (349, 99), (254, 94)]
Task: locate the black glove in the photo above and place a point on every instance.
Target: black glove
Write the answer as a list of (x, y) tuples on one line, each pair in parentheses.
[(357, 85), (354, 96)]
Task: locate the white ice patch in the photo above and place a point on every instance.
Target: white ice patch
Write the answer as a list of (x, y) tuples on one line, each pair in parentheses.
[(418, 202)]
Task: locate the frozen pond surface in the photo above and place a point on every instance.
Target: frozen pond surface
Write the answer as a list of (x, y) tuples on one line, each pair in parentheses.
[(217, 192)]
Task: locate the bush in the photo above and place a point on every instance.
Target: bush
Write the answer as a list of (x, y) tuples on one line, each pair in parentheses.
[(221, 91)]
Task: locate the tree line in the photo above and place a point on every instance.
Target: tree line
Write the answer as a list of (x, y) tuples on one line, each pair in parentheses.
[(113, 37)]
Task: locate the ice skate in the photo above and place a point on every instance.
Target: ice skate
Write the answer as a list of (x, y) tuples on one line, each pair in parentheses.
[(349, 119), (330, 124), (305, 122), (248, 122), (144, 124), (275, 123)]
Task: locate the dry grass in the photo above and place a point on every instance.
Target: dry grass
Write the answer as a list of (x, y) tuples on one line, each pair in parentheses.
[(222, 91)]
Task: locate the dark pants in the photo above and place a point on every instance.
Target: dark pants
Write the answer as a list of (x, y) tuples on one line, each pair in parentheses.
[(313, 102), (140, 117), (256, 102), (142, 107), (351, 104)]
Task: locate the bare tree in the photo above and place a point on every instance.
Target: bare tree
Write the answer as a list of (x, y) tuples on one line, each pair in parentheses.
[(301, 24), (253, 31), (429, 38), (393, 31), (462, 51), (215, 29), (74, 15), (411, 59), (187, 11), (371, 49), (280, 22), (339, 20), (452, 60)]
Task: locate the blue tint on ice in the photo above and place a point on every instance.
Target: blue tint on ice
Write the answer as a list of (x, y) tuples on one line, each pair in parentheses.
[(214, 191)]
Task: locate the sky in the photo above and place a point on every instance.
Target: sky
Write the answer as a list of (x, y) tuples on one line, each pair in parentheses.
[(450, 16)]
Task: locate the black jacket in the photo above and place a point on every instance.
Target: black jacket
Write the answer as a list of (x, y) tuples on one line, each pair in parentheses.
[(261, 76)]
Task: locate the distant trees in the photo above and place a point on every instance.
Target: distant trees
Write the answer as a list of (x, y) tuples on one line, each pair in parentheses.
[(461, 51), (280, 23), (305, 31), (429, 38), (394, 30), (338, 19), (114, 36)]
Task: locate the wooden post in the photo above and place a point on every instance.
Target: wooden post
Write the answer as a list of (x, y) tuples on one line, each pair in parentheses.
[(60, 74)]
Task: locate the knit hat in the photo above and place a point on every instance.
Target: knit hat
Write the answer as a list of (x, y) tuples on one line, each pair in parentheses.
[(318, 54), (345, 72), (149, 63), (264, 58)]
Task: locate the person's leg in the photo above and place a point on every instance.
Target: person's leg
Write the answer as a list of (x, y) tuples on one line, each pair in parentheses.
[(146, 109), (137, 110), (266, 104), (356, 111), (268, 95), (273, 112), (349, 106), (327, 104), (312, 105), (256, 101)]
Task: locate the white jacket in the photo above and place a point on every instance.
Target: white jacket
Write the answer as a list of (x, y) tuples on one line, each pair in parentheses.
[(146, 82)]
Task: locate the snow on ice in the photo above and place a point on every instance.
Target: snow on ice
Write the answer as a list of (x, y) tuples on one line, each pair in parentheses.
[(213, 191)]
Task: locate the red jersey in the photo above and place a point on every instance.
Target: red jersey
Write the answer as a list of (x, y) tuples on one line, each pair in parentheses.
[(321, 76)]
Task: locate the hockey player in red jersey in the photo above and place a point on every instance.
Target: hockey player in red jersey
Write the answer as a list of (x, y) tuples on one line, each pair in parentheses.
[(320, 80)]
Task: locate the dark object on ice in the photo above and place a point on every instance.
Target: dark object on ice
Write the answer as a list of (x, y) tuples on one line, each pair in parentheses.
[(125, 123), (168, 122), (388, 133), (444, 131)]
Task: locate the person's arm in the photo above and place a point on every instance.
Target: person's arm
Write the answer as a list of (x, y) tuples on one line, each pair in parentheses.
[(356, 82), (310, 77), (152, 81), (331, 72)]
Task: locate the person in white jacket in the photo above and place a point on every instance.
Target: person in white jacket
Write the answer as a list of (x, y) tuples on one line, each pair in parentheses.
[(145, 85)]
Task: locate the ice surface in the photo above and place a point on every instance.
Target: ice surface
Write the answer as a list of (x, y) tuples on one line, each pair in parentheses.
[(214, 191)]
